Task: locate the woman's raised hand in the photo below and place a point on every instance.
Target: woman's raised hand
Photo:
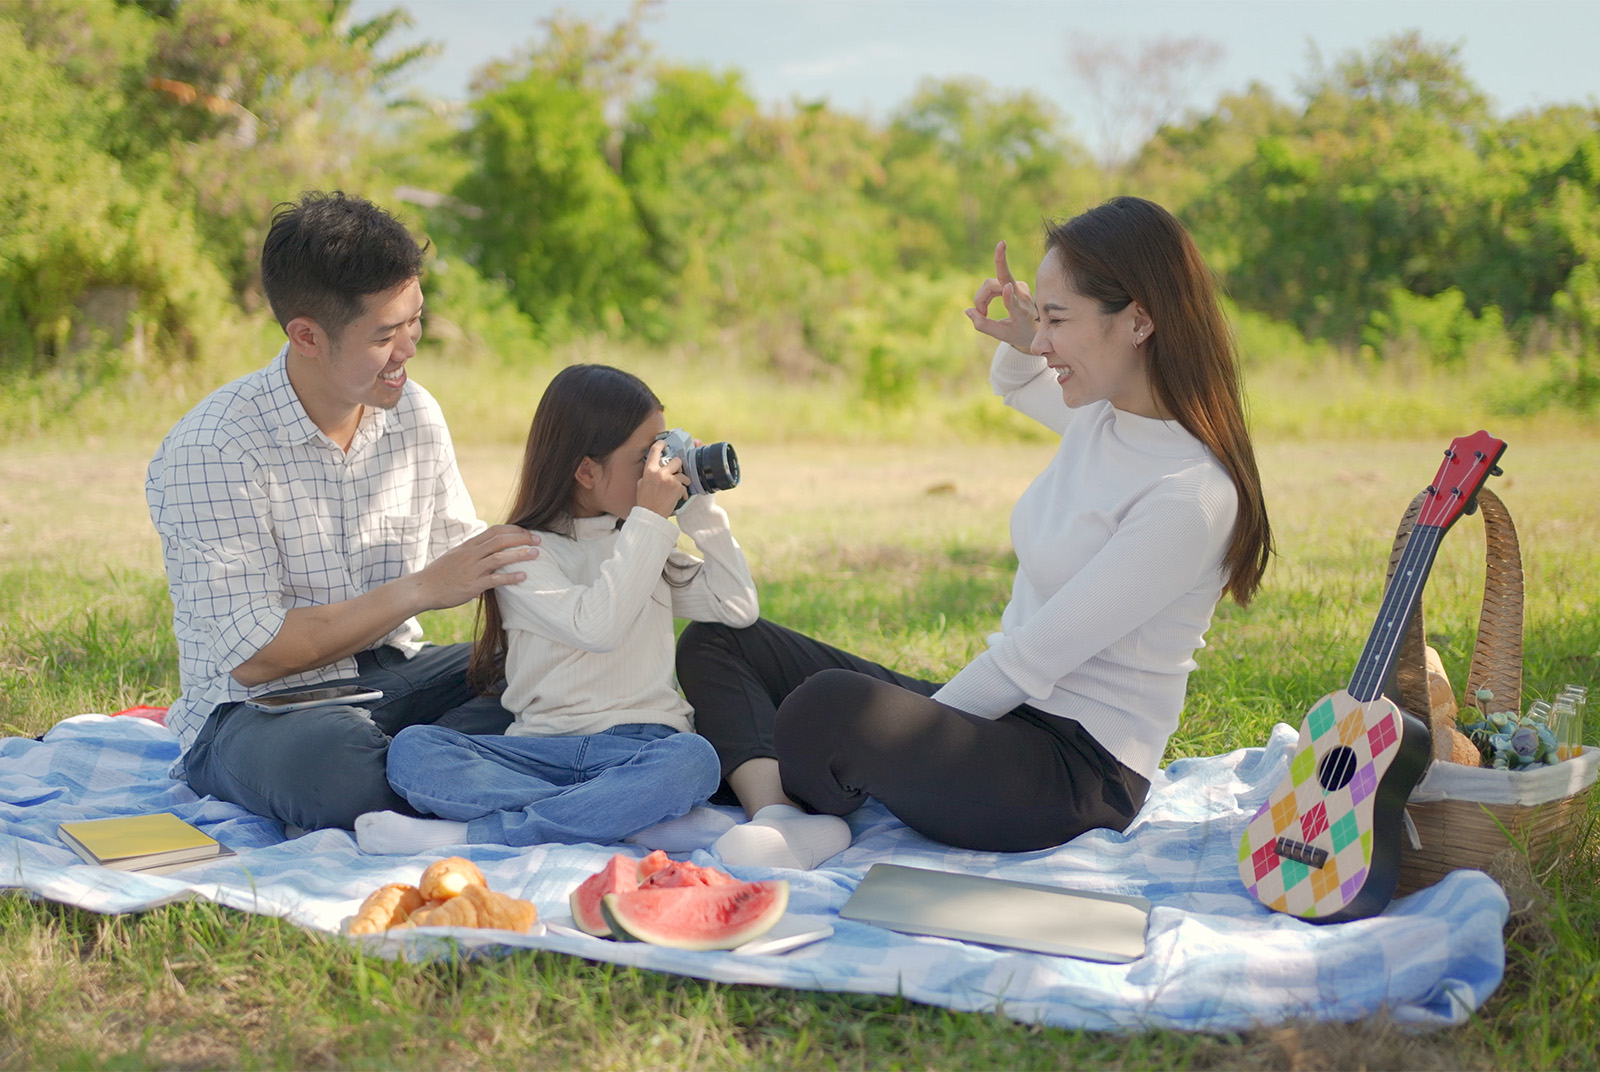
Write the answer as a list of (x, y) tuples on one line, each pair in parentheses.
[(1021, 320), (663, 486)]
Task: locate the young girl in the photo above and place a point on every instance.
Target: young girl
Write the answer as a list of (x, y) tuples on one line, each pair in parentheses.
[(601, 746), (1150, 510)]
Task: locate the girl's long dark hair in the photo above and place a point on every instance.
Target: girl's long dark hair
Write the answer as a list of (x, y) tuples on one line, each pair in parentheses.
[(587, 411), (1133, 250)]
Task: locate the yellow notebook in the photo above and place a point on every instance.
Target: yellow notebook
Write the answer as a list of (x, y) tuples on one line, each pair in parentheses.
[(158, 842)]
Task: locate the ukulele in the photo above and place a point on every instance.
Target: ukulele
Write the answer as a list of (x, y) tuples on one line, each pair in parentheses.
[(1326, 844)]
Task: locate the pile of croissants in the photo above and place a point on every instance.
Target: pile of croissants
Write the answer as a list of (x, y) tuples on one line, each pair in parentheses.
[(451, 893)]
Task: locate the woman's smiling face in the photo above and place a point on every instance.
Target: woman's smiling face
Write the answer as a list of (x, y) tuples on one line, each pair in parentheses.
[(1096, 356)]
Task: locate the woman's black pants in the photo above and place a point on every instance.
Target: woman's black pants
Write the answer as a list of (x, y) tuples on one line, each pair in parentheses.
[(843, 728)]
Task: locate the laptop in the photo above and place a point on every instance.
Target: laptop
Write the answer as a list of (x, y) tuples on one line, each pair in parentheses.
[(992, 911)]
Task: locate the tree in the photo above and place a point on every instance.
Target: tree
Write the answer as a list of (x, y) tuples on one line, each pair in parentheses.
[(85, 246), (1134, 96), (1400, 75), (550, 214), (618, 192), (1184, 162), (968, 166), (686, 145), (254, 101), (1542, 221), (1380, 184), (762, 218), (153, 139)]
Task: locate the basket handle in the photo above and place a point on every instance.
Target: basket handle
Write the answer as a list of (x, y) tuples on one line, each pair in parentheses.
[(1497, 655)]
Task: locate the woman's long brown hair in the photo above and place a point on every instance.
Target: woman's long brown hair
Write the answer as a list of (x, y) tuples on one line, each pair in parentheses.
[(587, 411), (1133, 250)]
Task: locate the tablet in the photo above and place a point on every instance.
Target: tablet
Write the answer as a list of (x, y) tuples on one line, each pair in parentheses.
[(790, 932), (991, 911), (301, 699)]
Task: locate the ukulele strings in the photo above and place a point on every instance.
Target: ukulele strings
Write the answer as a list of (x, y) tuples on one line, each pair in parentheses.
[(1411, 573)]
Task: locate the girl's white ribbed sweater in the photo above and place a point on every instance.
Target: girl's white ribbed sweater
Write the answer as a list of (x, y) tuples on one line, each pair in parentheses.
[(589, 639)]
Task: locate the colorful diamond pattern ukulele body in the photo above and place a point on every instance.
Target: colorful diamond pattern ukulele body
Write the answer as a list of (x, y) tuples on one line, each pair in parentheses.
[(1326, 844)]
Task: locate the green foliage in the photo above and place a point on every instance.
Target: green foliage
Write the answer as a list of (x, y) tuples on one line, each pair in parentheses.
[(146, 146), (74, 226), (1578, 306), (471, 318), (589, 195), (909, 338), (1393, 211), (554, 219), (690, 135), (1438, 329), (763, 220), (254, 102), (968, 166), (1180, 164), (1265, 342)]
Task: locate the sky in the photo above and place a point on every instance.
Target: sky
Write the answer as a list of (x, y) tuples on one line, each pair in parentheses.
[(868, 56)]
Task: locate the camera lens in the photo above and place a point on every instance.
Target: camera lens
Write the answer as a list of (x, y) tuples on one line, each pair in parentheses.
[(713, 467)]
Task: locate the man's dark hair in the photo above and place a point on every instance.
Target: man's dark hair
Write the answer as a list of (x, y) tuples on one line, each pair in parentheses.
[(327, 252)]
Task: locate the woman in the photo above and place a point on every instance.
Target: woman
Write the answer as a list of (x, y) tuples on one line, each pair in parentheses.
[(1150, 510)]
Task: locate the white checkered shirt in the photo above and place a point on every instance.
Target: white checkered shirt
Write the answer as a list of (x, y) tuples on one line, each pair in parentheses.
[(259, 512)]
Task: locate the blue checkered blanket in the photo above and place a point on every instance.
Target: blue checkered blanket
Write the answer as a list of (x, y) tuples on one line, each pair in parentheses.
[(1215, 960)]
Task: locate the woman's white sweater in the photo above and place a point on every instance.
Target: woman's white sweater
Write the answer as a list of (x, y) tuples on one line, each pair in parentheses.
[(589, 637), (1119, 546)]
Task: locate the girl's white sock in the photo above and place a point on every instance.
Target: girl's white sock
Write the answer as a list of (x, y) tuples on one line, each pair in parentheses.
[(699, 828), (780, 835), (388, 833)]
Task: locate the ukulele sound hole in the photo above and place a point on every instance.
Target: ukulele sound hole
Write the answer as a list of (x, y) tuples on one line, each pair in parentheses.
[(1337, 768)]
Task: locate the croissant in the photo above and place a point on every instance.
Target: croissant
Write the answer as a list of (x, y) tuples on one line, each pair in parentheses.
[(449, 877), (386, 907), (478, 906)]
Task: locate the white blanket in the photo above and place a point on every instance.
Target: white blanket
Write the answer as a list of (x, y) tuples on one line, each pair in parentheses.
[(1215, 960)]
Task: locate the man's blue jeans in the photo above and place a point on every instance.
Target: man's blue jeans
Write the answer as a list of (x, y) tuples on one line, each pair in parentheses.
[(325, 766), (596, 788)]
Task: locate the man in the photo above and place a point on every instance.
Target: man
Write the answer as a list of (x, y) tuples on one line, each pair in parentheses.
[(307, 513)]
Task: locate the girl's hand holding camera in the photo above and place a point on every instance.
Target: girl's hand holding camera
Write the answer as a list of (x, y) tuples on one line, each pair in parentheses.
[(663, 485)]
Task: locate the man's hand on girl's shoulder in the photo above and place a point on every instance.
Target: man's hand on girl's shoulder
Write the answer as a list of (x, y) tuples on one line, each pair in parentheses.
[(472, 567)]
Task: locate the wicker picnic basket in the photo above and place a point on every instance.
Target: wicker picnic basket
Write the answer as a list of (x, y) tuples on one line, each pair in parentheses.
[(1462, 815)]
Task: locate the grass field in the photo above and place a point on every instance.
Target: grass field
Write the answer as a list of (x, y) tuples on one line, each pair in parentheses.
[(896, 549)]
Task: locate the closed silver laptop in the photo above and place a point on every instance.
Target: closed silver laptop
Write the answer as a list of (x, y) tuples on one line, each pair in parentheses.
[(991, 911)]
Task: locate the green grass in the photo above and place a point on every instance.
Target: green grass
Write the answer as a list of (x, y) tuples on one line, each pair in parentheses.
[(894, 549)]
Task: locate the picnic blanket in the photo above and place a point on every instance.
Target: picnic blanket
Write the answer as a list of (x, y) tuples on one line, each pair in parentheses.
[(1216, 960)]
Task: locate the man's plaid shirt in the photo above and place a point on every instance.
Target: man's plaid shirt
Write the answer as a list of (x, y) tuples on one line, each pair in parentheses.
[(259, 512)]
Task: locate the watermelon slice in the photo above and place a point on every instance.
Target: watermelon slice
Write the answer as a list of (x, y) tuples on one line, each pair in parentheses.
[(620, 874), (653, 863), (676, 873), (697, 917)]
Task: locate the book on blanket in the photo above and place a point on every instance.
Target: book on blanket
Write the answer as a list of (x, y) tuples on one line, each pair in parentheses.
[(152, 844), (1107, 927)]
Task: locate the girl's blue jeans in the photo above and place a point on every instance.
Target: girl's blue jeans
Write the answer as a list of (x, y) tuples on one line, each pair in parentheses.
[(596, 788)]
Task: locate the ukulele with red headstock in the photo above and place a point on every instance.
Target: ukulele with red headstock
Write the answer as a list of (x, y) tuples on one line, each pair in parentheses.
[(1326, 844)]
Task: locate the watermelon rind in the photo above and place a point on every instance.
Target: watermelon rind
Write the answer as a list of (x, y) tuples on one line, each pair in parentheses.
[(697, 917)]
